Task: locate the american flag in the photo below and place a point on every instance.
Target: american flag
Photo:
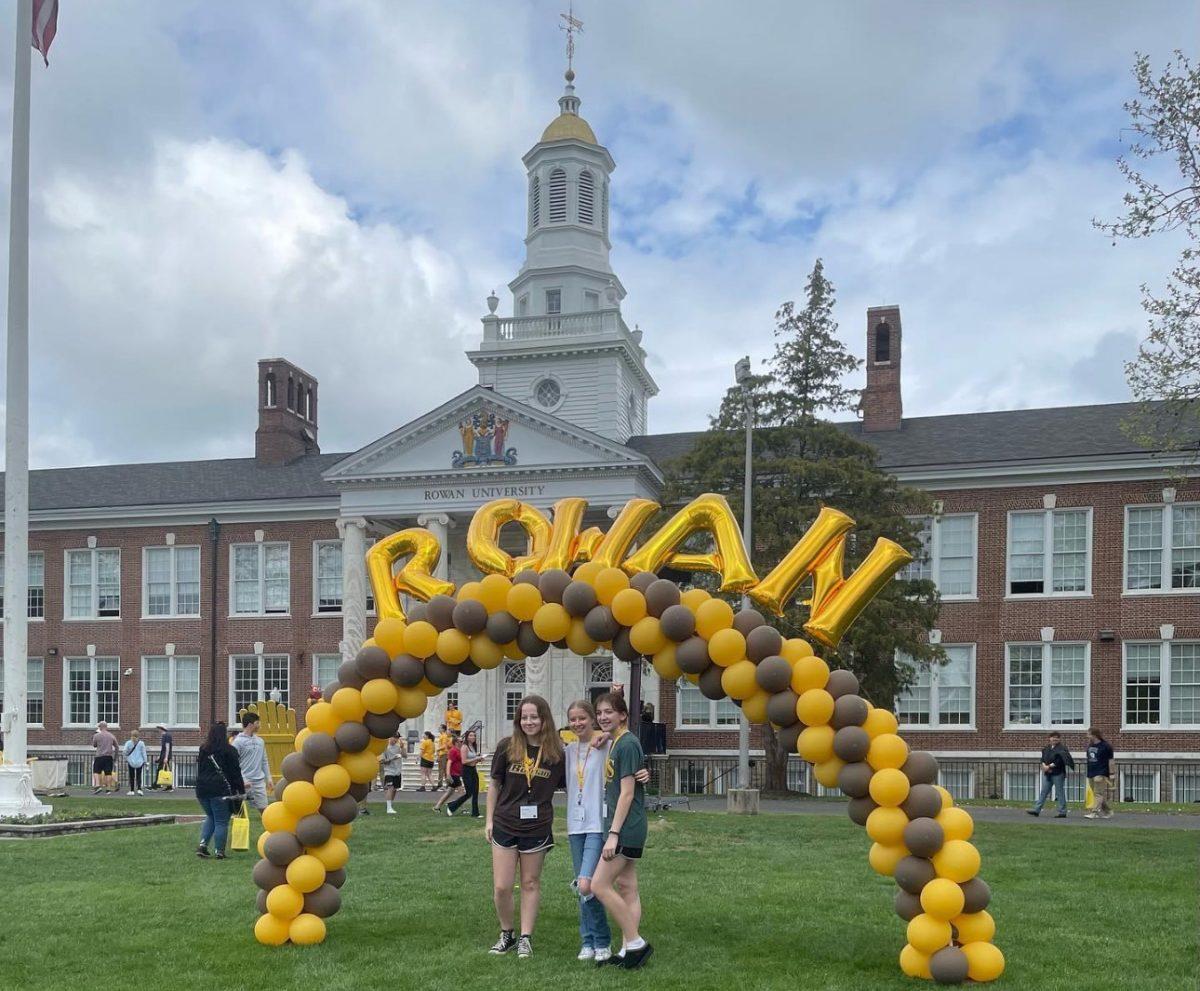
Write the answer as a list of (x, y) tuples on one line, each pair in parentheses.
[(45, 26)]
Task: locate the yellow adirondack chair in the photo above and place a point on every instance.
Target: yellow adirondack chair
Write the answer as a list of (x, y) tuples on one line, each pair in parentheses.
[(277, 727)]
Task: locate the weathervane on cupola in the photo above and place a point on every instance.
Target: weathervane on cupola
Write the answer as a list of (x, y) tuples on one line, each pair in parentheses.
[(570, 24)]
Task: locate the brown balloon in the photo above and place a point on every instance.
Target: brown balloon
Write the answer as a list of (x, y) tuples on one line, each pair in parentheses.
[(261, 901), (382, 725), (440, 612), (502, 627), (319, 749), (677, 623), (313, 830), (841, 682), (913, 873), (747, 620), (470, 617), (347, 674), (600, 624), (627, 652), (643, 580), (328, 690), (469, 667), (908, 906), (407, 671), (552, 584), (763, 642), (788, 735), (282, 783), (418, 612), (662, 595), (859, 808), (530, 644), (336, 878), (849, 710), (323, 902), (851, 743), (692, 655), (351, 737), (923, 837), (282, 848), (372, 662), (855, 779), (781, 708), (948, 965), (526, 577), (268, 875), (709, 683), (359, 791), (977, 895), (439, 672), (296, 768), (773, 674), (923, 802), (579, 598), (921, 768)]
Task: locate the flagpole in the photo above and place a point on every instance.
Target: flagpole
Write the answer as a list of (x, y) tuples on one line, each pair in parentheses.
[(16, 427)]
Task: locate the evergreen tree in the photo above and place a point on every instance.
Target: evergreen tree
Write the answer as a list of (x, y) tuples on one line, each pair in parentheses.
[(800, 464)]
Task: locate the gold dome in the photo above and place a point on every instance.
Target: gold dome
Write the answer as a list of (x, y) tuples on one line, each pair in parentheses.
[(566, 126)]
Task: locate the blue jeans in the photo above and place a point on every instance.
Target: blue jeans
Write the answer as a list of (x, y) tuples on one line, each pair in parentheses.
[(1059, 783), (217, 812), (593, 923)]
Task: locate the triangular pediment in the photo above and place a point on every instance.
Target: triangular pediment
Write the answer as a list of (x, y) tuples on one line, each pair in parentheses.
[(482, 432)]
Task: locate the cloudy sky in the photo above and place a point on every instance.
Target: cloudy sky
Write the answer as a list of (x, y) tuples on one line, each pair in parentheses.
[(339, 182)]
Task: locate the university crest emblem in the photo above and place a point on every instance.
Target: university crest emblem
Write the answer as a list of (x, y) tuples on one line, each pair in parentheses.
[(483, 434)]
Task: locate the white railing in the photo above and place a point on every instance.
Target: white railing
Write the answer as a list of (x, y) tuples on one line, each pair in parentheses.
[(595, 323)]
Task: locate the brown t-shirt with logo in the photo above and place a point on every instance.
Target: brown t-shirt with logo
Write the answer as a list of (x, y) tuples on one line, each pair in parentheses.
[(514, 789)]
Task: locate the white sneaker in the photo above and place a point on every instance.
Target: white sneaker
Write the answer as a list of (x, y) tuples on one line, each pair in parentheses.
[(524, 948), (586, 953), (140, 792), (391, 811), (128, 793), (602, 954), (1090, 815)]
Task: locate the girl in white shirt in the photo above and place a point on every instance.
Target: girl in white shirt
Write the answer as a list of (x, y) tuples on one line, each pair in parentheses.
[(585, 828)]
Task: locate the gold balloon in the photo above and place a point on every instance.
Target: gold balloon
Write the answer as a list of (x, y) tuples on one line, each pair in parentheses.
[(848, 597), (709, 513), (416, 577), (610, 550), (563, 546), (483, 536), (825, 535)]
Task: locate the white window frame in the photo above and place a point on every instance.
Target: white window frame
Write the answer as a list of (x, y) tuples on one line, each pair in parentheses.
[(970, 773), (712, 725), (1168, 532), (316, 578), (95, 616), (506, 690), (1164, 723), (1133, 769), (935, 554), (316, 666), (262, 693), (1046, 725), (93, 709), (1048, 554), (30, 663), (173, 721), (533, 392), (174, 613), (28, 618), (262, 545), (935, 717), (1075, 785), (1176, 774)]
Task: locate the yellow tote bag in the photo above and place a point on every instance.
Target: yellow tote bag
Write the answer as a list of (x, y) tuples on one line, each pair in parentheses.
[(1089, 798), (239, 829), (165, 778)]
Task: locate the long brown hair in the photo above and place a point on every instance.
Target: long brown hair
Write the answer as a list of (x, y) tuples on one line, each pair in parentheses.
[(549, 743)]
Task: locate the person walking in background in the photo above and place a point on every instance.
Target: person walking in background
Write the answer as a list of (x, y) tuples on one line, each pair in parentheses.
[(105, 743), (1055, 761), (134, 751), (454, 769), (454, 719), (425, 759), (252, 756), (391, 765), (470, 773), (166, 744), (1101, 774), (218, 786), (443, 753)]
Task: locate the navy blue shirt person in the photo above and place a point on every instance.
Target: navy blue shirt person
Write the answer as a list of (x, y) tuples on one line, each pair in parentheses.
[(1055, 760), (1100, 772)]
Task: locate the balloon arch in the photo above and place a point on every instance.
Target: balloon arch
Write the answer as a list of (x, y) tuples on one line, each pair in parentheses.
[(584, 589)]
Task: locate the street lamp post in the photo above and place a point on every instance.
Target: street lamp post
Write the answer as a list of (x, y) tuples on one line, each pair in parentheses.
[(748, 802)]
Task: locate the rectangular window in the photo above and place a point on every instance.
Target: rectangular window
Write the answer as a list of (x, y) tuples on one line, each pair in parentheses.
[(1047, 684), (327, 568), (696, 710), (256, 676), (171, 691), (36, 582), (1186, 786), (1162, 547), (35, 690), (947, 557), (1162, 684), (325, 667), (1024, 785), (1138, 785), (959, 781), (171, 581), (1049, 552), (261, 582), (514, 688), (93, 584), (591, 300), (91, 691), (943, 695), (553, 301)]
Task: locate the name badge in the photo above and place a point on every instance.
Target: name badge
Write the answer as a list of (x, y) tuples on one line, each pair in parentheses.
[(605, 813), (529, 811)]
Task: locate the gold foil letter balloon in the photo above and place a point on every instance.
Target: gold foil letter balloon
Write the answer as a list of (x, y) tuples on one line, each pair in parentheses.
[(415, 578), (483, 536)]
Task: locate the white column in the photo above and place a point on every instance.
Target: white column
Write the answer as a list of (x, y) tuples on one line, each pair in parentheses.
[(353, 531), (439, 525)]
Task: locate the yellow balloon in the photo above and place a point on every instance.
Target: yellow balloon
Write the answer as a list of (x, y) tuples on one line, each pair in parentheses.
[(348, 705), (587, 572), (827, 771), (713, 615), (428, 687), (739, 682), (887, 750), (726, 647), (815, 744), (410, 702), (493, 592), (301, 798), (420, 639), (628, 606), (795, 649), (342, 831), (809, 673), (379, 695), (362, 767), (333, 853), (664, 664), (513, 652), (886, 825), (927, 934), (551, 622), (270, 930), (646, 636), (261, 845), (947, 798), (285, 902), (277, 818), (885, 858), (755, 707), (321, 718), (306, 873), (943, 899), (609, 582), (985, 962), (577, 639), (304, 734), (956, 823), (880, 722), (815, 707), (389, 635), (377, 745), (973, 927), (693, 598), (914, 963), (483, 536), (307, 929), (524, 601), (332, 780), (889, 787), (453, 646), (485, 654), (471, 592), (957, 859)]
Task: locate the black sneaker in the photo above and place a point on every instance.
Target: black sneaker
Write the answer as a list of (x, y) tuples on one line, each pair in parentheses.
[(634, 959), (505, 943), (202, 851), (1060, 815), (525, 947), (1032, 812), (96, 791)]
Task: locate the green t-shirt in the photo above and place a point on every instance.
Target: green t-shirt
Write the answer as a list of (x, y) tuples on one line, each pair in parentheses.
[(625, 760)]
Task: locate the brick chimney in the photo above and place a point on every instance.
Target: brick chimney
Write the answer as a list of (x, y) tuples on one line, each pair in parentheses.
[(287, 413), (881, 405)]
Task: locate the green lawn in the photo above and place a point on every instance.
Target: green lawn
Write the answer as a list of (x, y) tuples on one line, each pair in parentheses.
[(770, 902)]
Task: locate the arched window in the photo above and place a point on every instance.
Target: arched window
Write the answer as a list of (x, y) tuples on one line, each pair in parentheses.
[(535, 202), (269, 390), (291, 397), (883, 342), (308, 403), (558, 196), (587, 198)]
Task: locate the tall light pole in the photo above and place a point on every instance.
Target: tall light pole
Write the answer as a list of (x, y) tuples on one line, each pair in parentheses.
[(741, 373)]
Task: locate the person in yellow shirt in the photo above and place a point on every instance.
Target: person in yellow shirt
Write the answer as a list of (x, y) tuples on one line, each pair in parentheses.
[(425, 759), (454, 719), (443, 750)]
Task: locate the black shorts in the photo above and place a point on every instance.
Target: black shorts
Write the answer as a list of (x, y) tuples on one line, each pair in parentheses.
[(392, 781), (455, 781), (426, 763), (102, 765), (630, 852), (522, 844)]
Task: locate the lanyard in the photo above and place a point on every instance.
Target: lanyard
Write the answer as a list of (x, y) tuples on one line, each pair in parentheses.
[(530, 769), (581, 769), (609, 770)]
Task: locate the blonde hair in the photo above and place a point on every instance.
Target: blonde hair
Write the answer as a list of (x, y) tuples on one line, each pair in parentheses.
[(583, 705), (549, 743)]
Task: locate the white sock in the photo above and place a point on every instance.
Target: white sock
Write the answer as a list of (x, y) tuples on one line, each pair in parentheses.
[(637, 944), (389, 806), (621, 951)]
